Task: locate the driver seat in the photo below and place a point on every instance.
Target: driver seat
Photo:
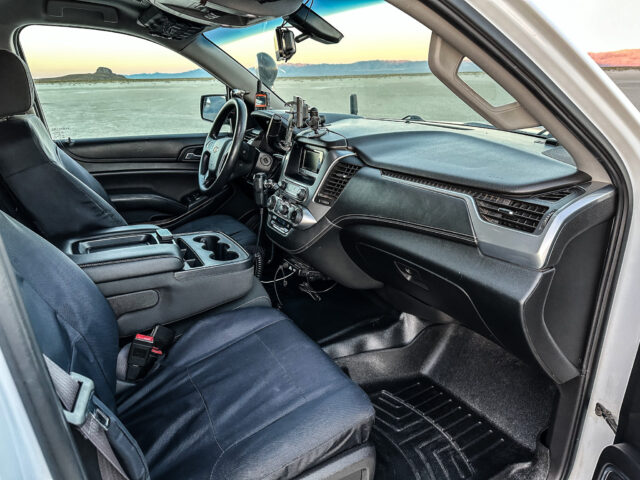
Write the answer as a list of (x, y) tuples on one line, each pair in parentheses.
[(51, 189)]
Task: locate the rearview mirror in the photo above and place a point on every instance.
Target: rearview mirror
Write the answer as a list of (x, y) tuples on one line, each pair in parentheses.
[(313, 26), (210, 105)]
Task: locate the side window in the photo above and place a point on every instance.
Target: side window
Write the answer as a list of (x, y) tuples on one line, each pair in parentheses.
[(483, 84), (94, 84)]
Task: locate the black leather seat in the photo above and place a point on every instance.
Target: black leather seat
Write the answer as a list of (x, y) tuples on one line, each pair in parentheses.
[(59, 196), (241, 395)]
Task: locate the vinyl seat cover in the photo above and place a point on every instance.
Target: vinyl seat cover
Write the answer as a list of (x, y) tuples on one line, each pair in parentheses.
[(241, 395)]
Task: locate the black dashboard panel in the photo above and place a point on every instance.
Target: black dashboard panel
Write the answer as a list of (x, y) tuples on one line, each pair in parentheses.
[(370, 198), (474, 157), (478, 224)]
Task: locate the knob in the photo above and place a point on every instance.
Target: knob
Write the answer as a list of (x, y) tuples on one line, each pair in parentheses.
[(284, 209), (302, 194), (271, 202), (296, 215)]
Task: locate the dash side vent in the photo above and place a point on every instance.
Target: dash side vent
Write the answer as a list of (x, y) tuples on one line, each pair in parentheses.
[(508, 212), (336, 182), (556, 195)]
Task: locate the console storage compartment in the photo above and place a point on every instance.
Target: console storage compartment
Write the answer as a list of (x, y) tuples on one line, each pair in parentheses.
[(150, 276)]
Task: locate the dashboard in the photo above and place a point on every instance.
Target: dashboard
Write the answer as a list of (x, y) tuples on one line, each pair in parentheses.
[(495, 230)]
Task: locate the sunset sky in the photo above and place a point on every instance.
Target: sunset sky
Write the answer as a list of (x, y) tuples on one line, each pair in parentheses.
[(373, 30)]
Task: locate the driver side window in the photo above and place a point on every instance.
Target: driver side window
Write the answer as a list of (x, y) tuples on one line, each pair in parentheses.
[(95, 84)]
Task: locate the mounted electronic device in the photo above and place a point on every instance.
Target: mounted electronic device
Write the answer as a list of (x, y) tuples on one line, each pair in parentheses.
[(310, 24)]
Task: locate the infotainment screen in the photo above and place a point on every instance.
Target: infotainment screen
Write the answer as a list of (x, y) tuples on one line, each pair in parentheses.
[(311, 160)]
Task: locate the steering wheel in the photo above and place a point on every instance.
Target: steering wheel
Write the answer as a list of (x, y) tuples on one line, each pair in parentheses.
[(220, 154)]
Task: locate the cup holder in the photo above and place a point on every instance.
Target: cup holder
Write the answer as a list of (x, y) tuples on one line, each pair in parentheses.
[(220, 250)]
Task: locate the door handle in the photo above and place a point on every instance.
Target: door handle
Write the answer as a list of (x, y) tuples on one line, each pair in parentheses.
[(192, 157)]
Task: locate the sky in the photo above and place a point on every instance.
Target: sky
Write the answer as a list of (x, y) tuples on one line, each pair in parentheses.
[(373, 30)]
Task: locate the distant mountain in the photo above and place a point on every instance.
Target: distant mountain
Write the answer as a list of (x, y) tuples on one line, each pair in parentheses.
[(287, 70), (197, 73), (618, 58), (102, 74), (369, 67)]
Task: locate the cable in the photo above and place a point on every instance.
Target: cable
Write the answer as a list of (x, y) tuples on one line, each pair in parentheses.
[(275, 286), (279, 279), (260, 227)]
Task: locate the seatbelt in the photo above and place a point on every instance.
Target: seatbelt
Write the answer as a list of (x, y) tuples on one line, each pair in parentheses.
[(75, 392)]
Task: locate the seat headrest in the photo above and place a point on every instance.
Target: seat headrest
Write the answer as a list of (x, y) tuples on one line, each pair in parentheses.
[(16, 86)]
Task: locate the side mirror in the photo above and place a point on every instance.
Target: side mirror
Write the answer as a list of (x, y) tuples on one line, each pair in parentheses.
[(267, 69), (210, 105)]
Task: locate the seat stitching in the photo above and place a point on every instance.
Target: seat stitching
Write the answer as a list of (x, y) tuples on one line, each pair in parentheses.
[(251, 301), (286, 372), (237, 340), (62, 317), (206, 409)]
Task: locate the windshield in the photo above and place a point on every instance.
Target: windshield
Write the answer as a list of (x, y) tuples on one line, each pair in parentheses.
[(382, 59)]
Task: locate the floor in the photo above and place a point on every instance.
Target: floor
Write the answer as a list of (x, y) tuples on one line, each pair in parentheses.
[(449, 403)]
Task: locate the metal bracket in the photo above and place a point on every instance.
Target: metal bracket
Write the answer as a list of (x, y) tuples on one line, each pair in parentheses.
[(81, 407)]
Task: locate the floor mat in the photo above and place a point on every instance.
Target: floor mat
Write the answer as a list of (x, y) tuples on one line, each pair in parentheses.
[(422, 432)]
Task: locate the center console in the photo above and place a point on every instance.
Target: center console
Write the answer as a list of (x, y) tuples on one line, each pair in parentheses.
[(299, 201), (150, 276)]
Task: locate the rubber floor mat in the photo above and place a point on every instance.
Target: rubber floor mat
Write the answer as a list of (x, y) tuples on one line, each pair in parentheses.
[(423, 432)]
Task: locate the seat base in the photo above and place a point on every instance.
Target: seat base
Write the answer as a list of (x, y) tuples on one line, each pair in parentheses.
[(245, 395)]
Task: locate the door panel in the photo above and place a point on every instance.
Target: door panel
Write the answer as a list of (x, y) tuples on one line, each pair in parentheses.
[(149, 179), (621, 461), (165, 148)]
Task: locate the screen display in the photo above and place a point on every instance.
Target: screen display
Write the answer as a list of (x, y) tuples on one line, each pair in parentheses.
[(311, 160)]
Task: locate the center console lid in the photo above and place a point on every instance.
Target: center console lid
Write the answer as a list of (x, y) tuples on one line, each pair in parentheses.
[(150, 276)]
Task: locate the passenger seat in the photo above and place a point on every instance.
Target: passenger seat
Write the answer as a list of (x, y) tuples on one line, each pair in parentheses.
[(241, 395)]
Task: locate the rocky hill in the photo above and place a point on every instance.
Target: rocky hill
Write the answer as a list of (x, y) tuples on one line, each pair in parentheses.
[(102, 74)]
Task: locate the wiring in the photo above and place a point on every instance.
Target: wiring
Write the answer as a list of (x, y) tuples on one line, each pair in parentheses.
[(275, 280)]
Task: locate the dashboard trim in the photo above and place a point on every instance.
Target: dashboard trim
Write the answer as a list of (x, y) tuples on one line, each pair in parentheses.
[(525, 249)]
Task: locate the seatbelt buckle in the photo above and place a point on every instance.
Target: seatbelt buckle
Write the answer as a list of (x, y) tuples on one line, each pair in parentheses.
[(139, 356), (163, 337), (78, 415)]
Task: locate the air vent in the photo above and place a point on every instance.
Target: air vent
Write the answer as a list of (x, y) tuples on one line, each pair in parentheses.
[(510, 213), (335, 182), (504, 211), (555, 196)]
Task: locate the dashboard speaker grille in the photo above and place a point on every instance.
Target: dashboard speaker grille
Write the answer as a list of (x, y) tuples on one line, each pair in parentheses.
[(335, 182), (556, 196), (508, 212)]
